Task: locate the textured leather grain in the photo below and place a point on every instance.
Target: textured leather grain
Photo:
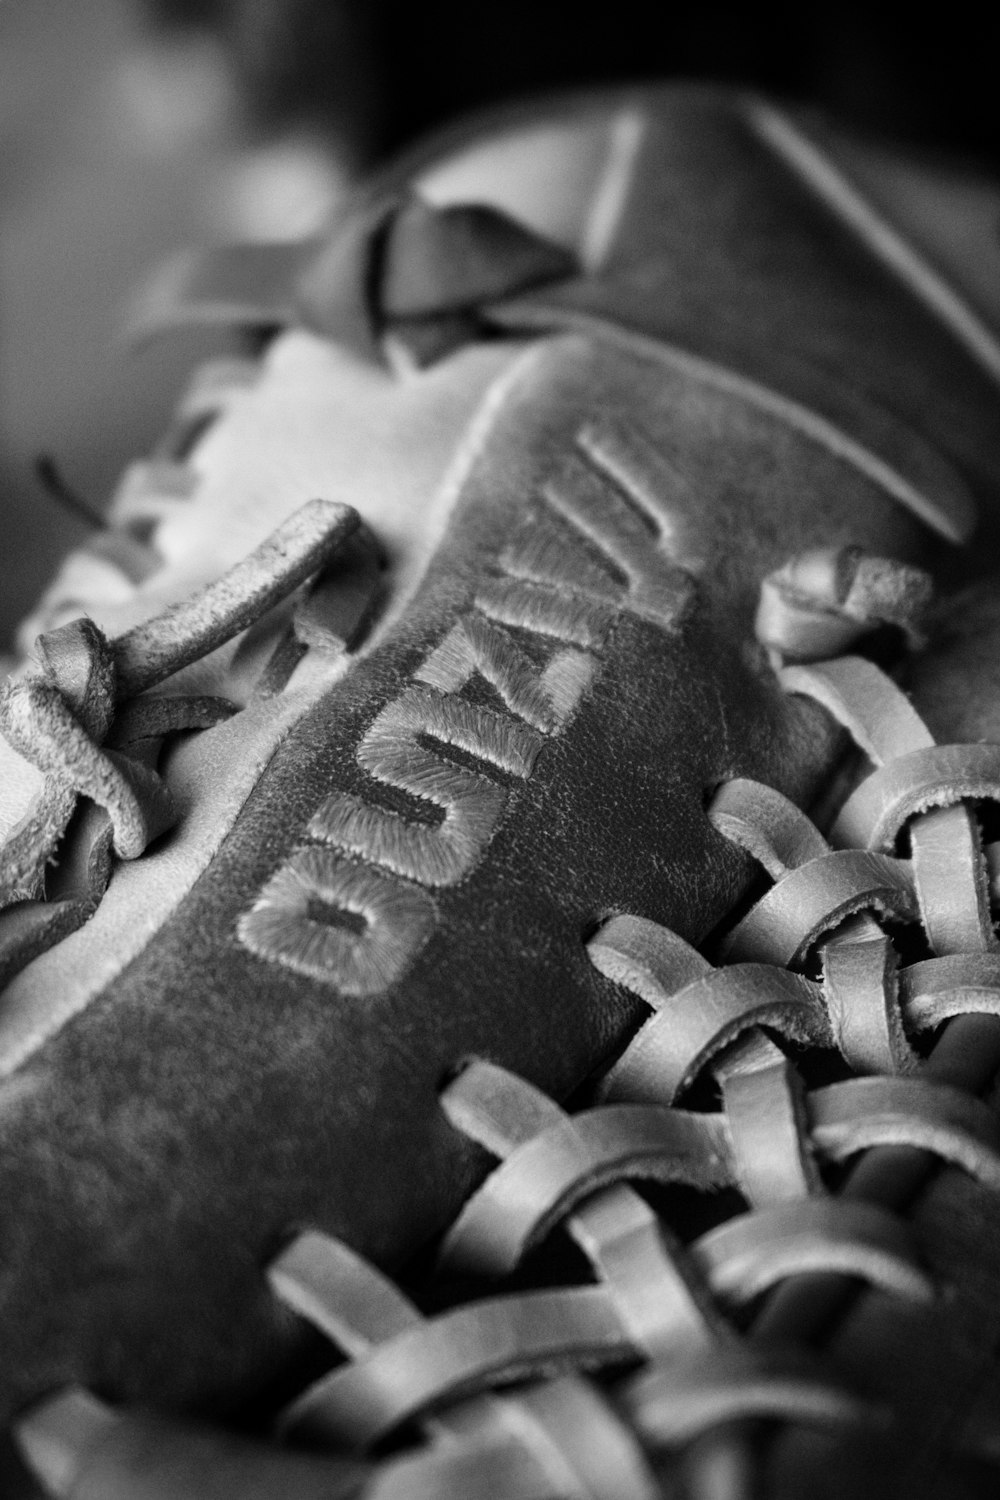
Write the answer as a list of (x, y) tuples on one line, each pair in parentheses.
[(647, 466)]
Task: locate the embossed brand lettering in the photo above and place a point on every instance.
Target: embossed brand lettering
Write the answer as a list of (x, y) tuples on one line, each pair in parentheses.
[(353, 908), (299, 918), (545, 699), (443, 851)]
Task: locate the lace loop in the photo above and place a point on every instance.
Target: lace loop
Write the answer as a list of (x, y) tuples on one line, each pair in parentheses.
[(79, 662), (823, 601)]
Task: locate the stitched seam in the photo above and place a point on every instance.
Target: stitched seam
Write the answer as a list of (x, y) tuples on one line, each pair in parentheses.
[(829, 184)]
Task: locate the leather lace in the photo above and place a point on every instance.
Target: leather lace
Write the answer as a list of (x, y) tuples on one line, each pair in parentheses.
[(87, 716)]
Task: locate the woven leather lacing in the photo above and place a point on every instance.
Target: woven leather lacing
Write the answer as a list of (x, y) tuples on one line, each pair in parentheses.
[(664, 1348), (655, 1303)]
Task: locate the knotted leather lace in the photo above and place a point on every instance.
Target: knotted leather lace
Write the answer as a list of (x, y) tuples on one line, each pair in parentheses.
[(88, 718)]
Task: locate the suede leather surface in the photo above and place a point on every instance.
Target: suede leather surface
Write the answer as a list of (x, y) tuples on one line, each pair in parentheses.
[(763, 277), (162, 1146)]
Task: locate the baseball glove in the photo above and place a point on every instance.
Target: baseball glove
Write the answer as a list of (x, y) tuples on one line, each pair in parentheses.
[(500, 989)]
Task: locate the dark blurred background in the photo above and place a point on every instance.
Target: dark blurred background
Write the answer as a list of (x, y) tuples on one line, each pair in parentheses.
[(130, 128), (929, 76)]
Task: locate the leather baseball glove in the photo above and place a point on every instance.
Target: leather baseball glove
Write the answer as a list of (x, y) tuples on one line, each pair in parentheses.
[(501, 998)]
